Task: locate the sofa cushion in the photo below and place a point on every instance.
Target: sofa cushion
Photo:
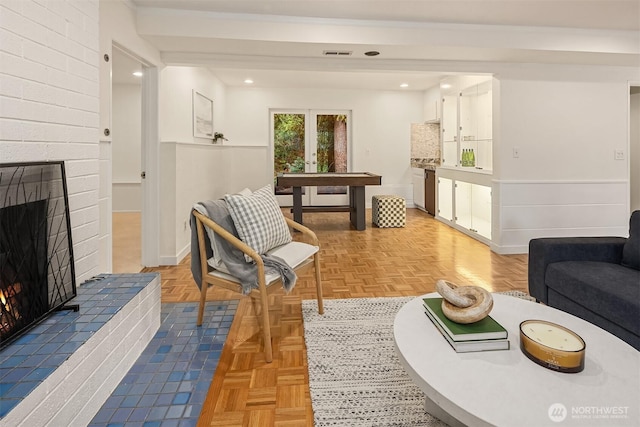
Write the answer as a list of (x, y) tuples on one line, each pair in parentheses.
[(631, 250), (611, 290)]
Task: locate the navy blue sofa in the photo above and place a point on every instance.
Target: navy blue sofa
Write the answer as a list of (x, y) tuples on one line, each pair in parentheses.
[(594, 278)]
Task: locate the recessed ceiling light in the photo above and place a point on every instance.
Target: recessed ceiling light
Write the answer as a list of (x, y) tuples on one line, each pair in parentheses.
[(248, 81), (137, 73), (404, 85), (372, 53), (445, 86)]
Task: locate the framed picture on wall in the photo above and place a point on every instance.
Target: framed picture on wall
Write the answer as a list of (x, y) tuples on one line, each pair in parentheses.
[(202, 116)]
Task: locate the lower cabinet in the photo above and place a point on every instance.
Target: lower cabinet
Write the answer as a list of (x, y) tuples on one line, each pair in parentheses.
[(466, 206), (445, 198)]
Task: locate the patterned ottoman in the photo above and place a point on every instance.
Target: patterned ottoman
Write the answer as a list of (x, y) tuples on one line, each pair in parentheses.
[(389, 211)]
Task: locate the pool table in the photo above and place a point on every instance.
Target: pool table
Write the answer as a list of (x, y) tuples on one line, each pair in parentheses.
[(356, 181)]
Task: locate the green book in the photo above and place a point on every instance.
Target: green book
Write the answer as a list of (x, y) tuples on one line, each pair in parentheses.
[(470, 346), (485, 329)]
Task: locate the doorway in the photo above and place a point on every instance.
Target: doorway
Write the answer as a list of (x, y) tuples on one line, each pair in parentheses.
[(126, 164), (311, 141)]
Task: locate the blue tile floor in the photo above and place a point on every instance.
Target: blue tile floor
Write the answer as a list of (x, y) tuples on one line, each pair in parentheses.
[(32, 357), (168, 384), (165, 387)]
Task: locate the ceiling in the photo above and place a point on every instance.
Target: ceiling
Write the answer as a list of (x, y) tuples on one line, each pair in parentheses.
[(281, 43), (123, 68)]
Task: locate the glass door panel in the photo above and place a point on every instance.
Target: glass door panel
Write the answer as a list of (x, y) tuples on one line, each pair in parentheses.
[(329, 153), (311, 142), (464, 209), (445, 198), (449, 130), (481, 200), (289, 139)]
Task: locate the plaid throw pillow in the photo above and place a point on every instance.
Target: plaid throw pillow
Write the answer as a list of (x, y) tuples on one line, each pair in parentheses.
[(259, 220)]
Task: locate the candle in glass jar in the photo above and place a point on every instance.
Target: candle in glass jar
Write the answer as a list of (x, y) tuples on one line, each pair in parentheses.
[(552, 336), (552, 346)]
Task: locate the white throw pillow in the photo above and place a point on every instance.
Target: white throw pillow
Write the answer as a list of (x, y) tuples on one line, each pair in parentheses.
[(259, 220)]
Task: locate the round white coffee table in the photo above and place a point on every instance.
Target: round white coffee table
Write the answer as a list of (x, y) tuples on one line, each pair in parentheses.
[(505, 388)]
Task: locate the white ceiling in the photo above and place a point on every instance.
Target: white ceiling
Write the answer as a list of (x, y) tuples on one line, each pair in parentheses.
[(280, 43), (591, 14), (123, 67)]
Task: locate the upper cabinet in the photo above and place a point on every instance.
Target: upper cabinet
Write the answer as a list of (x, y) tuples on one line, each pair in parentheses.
[(449, 125), (467, 131)]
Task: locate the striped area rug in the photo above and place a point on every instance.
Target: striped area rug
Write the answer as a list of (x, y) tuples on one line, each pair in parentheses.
[(355, 377)]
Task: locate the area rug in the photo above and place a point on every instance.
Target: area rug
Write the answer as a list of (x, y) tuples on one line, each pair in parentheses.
[(355, 377)]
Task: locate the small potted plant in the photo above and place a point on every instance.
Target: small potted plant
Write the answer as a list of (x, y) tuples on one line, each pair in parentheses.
[(218, 137)]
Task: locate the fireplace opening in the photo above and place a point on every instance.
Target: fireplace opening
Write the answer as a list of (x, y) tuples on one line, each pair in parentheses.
[(36, 260)]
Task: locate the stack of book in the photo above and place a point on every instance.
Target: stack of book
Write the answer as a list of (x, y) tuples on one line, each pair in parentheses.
[(484, 335)]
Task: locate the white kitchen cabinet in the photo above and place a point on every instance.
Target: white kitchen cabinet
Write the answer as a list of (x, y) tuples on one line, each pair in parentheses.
[(464, 202), (445, 199), (476, 130), (467, 126), (449, 128), (473, 208)]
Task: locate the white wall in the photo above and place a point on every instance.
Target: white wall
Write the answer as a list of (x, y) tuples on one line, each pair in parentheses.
[(126, 147), (432, 104), (380, 131), (118, 26), (634, 151), (49, 104), (564, 130), (192, 169), (176, 86), (566, 181)]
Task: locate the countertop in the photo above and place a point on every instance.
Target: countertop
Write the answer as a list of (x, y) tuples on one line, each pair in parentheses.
[(425, 163)]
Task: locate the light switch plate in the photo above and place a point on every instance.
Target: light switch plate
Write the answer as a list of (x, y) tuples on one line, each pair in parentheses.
[(619, 154)]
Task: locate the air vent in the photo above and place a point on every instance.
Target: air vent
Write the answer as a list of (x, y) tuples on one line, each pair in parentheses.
[(337, 53)]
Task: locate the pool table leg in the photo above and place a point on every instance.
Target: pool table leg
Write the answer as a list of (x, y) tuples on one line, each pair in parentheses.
[(357, 213), (297, 204)]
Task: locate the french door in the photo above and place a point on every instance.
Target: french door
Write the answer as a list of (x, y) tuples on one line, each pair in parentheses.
[(311, 141)]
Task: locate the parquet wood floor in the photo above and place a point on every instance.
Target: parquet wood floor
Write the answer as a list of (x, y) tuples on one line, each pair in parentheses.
[(246, 391), (127, 243)]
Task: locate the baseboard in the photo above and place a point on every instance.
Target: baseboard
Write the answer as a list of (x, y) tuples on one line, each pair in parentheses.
[(509, 250), (175, 260)]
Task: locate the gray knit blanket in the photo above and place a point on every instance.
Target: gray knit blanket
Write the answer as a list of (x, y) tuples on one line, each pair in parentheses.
[(229, 255)]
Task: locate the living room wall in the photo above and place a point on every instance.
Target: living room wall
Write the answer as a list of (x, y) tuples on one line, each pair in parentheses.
[(566, 181), (194, 169), (191, 168), (49, 104), (118, 26), (380, 126)]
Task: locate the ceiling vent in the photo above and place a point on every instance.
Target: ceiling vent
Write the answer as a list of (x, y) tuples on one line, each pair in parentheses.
[(337, 53)]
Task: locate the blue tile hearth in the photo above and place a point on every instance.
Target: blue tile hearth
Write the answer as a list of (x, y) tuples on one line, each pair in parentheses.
[(167, 385), (27, 361)]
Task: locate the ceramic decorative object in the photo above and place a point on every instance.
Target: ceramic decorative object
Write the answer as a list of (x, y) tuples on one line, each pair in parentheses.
[(464, 304)]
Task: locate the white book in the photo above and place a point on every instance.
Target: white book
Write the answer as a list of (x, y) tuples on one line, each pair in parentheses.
[(471, 346)]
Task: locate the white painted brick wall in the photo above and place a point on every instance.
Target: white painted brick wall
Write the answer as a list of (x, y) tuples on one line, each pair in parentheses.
[(49, 103)]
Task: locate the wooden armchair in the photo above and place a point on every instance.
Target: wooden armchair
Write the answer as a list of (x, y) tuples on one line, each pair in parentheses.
[(298, 255)]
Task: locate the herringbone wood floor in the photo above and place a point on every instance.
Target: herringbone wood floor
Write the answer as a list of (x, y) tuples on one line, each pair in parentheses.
[(246, 391)]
